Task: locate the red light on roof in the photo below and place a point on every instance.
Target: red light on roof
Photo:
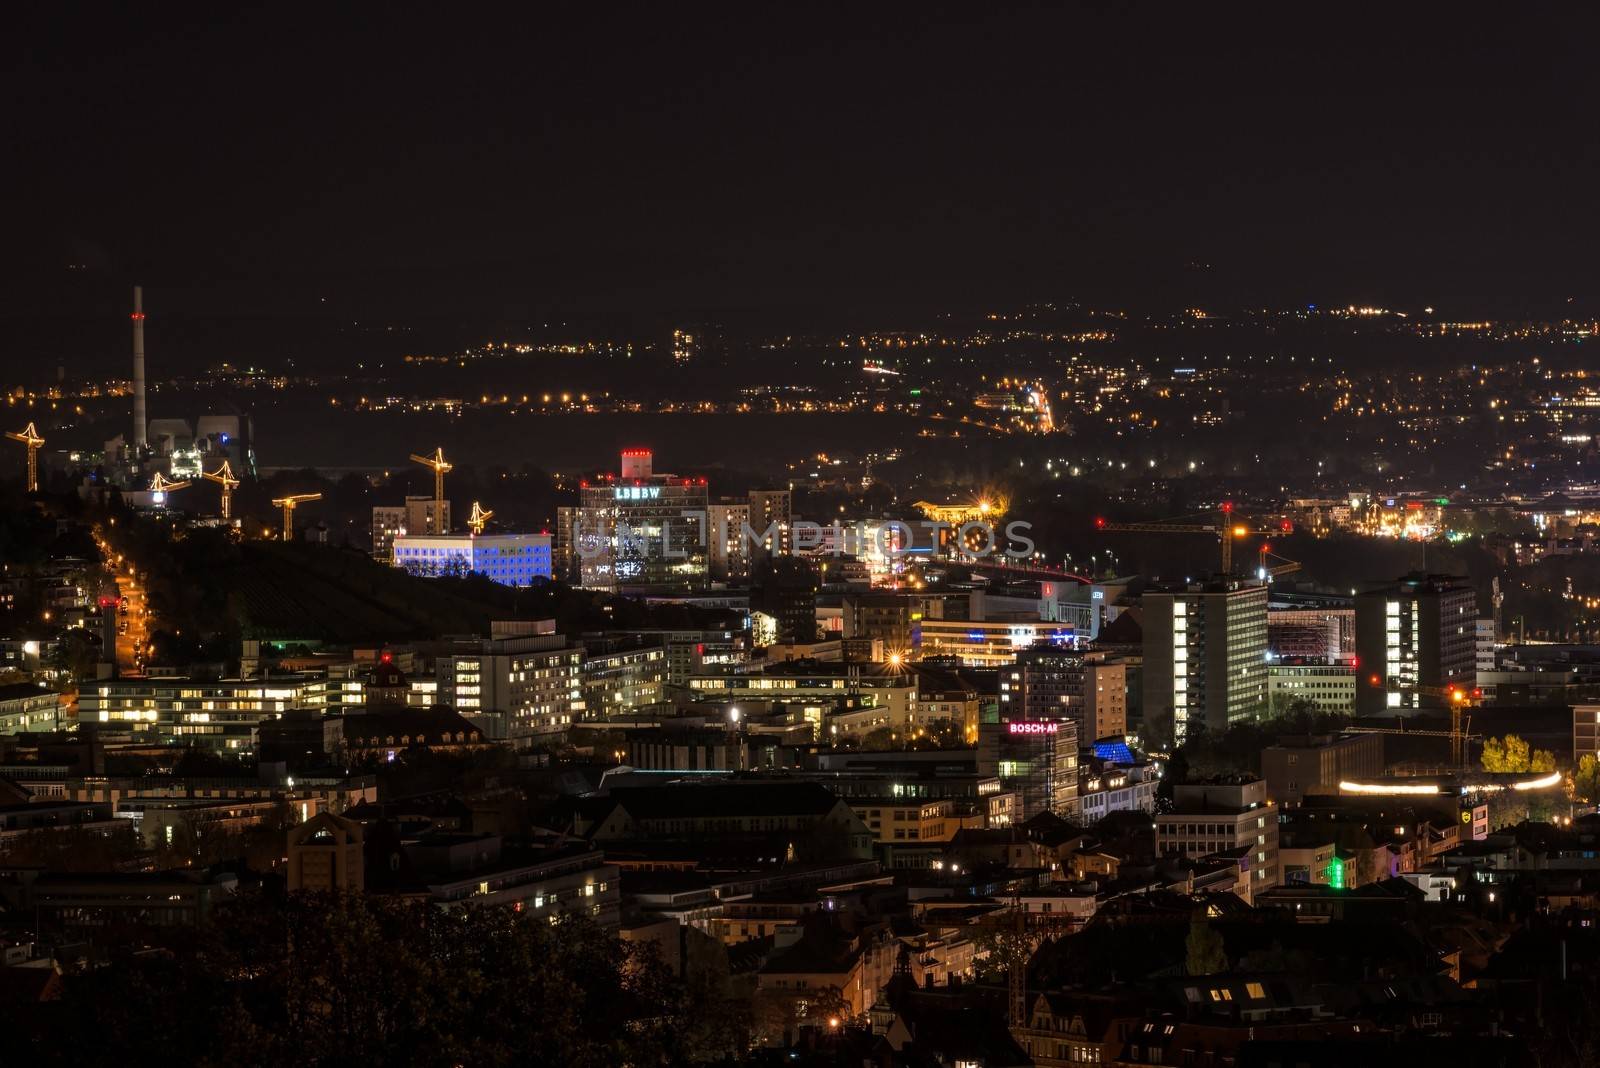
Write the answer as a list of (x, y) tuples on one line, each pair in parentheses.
[(387, 657), (1227, 507), (1100, 522), (1355, 662), (138, 317), (583, 483)]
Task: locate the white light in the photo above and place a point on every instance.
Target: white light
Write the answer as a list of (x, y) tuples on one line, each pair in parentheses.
[(1386, 788)]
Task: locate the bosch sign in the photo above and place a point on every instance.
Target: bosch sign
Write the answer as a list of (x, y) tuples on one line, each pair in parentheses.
[(1032, 728)]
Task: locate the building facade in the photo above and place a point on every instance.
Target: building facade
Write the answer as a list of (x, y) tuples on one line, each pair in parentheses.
[(1415, 640), (509, 559), (1205, 655)]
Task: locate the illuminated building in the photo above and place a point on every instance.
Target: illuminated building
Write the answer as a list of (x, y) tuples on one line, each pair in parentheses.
[(1415, 639), (727, 550), (1051, 682), (984, 643), (1222, 817), (619, 680), (1104, 788), (419, 515), (892, 619), (1331, 687), (1037, 760), (639, 531), (770, 515), (1585, 732), (524, 669), (1205, 654), (207, 713), (27, 706), (509, 559)]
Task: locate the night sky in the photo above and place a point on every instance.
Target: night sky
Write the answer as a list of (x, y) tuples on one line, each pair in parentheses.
[(794, 159)]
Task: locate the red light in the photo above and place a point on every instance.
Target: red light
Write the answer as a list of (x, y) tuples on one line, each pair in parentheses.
[(1286, 526), (1374, 680), (700, 650), (138, 317), (387, 658), (1476, 692), (1355, 662), (1227, 507), (1266, 547), (1099, 522)]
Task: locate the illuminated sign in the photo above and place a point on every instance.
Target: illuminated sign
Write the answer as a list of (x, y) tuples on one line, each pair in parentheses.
[(637, 493), (1032, 727)]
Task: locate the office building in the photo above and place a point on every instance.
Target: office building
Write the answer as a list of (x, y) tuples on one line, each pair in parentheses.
[(208, 713), (27, 706), (639, 531), (1416, 639), (1205, 656), (784, 589), (727, 548), (891, 619), (770, 516), (1585, 732), (1298, 632), (620, 677), (523, 669), (1329, 687), (509, 559), (1232, 818)]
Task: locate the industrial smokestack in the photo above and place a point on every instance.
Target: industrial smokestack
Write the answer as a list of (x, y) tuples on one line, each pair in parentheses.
[(139, 421)]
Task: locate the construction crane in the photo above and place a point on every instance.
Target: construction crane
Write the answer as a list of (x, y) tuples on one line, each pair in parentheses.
[(1224, 528), (223, 476), (29, 437), (289, 504), (479, 518), (162, 487), (439, 465), (1456, 698), (1266, 572)]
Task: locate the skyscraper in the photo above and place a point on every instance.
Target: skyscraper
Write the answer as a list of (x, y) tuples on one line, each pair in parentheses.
[(1415, 638), (1205, 656)]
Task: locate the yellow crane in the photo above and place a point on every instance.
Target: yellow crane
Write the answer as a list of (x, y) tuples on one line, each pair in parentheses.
[(479, 518), (1224, 527), (439, 465), (1457, 698), (289, 504), (223, 476), (161, 487), (29, 437)]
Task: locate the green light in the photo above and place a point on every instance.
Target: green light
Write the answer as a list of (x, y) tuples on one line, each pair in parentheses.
[(1336, 874), (1441, 500)]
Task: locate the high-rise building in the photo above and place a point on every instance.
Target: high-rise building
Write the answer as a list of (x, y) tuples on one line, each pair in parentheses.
[(1037, 760), (1051, 682), (1205, 656), (524, 669), (1415, 639), (640, 531), (785, 588), (771, 518), (889, 618), (727, 549)]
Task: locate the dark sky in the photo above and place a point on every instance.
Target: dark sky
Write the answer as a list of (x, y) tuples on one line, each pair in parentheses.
[(408, 161)]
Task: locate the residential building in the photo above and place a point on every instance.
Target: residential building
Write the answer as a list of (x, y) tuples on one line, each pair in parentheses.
[(1051, 682), (418, 515), (27, 706), (326, 855)]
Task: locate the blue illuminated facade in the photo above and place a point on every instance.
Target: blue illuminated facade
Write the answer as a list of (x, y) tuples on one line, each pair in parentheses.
[(509, 559)]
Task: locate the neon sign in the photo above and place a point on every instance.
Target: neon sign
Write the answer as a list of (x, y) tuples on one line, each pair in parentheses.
[(1032, 727)]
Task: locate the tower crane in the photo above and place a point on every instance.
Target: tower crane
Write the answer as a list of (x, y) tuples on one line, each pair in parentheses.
[(223, 476), (479, 518), (1457, 698), (1223, 527), (29, 437), (289, 504), (439, 465), (1268, 572), (162, 487)]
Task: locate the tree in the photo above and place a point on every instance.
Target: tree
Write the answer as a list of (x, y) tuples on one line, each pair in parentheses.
[(1586, 780), (1511, 754), (1206, 954)]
